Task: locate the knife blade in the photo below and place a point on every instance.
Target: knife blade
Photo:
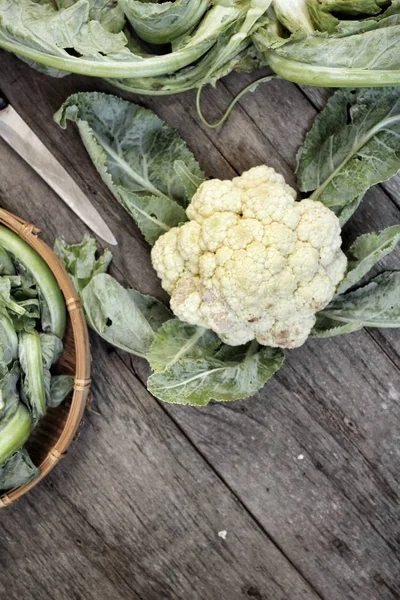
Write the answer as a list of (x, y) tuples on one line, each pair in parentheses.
[(25, 142)]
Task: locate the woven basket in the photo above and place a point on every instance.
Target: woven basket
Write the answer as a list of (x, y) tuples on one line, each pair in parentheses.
[(51, 438)]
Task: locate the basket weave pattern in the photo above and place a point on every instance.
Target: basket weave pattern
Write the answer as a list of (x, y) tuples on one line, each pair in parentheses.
[(50, 440)]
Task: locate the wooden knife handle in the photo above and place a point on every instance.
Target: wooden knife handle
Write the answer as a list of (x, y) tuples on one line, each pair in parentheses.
[(3, 101)]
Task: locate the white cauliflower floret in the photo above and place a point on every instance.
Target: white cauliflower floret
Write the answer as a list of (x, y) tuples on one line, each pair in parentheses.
[(252, 263)]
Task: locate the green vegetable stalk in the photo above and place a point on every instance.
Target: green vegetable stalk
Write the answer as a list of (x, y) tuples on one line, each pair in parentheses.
[(33, 389), (14, 431), (29, 298), (45, 279)]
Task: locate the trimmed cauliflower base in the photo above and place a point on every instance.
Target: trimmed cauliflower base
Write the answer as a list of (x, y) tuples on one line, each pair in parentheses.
[(252, 263)]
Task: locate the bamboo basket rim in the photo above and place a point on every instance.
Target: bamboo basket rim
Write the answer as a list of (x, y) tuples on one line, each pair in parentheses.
[(30, 233)]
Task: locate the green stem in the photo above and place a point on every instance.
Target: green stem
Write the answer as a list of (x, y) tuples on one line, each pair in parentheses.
[(217, 20), (14, 432), (317, 75), (251, 16), (42, 274), (249, 88), (32, 365)]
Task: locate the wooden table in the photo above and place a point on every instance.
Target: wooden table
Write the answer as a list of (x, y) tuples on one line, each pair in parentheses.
[(291, 495)]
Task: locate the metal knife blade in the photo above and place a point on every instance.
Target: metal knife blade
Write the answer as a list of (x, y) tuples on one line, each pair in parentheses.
[(25, 142)]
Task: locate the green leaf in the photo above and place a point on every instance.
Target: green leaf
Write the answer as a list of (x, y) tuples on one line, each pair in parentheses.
[(48, 32), (51, 348), (114, 313), (155, 311), (60, 388), (176, 340), (153, 215), (366, 251), (109, 14), (6, 264), (15, 428), (325, 327), (197, 367), (68, 39), (376, 304), (33, 390), (353, 144), (243, 58), (123, 317), (357, 54), (324, 21), (351, 8), (6, 299), (135, 153), (190, 180), (293, 14), (8, 341), (80, 260), (9, 397), (162, 23), (18, 470)]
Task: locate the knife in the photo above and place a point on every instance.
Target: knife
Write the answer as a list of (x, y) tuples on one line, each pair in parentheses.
[(25, 142)]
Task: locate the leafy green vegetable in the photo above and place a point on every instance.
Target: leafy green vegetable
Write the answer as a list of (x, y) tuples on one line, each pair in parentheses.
[(241, 58), (353, 144), (108, 13), (6, 264), (67, 39), (18, 470), (293, 14), (33, 387), (9, 397), (376, 304), (366, 251), (144, 162), (60, 387), (193, 366), (163, 23), (8, 341), (80, 260), (113, 313), (29, 297), (15, 428), (355, 54), (123, 317), (351, 7), (44, 278), (334, 43), (326, 327)]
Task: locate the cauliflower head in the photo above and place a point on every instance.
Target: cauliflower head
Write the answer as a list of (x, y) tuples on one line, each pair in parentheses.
[(251, 262)]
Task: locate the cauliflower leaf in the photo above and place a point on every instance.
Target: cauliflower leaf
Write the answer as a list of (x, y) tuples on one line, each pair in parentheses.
[(197, 367), (366, 251), (144, 162), (376, 304), (354, 143), (123, 317)]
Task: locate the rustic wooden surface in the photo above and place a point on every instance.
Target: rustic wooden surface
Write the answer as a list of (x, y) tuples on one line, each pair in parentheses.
[(304, 477)]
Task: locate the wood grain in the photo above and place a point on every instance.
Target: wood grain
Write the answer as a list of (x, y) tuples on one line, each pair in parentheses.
[(305, 474)]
